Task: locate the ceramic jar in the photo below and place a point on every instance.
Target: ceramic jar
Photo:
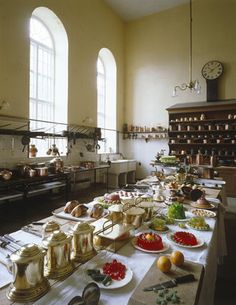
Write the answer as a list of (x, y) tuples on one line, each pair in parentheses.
[(33, 151)]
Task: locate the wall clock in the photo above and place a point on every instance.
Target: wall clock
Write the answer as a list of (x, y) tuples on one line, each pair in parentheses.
[(211, 71)]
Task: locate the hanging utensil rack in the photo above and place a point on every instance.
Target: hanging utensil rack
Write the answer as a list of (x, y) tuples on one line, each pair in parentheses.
[(18, 126)]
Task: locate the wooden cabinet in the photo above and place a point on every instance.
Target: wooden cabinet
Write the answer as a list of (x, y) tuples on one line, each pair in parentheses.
[(228, 174), (205, 132)]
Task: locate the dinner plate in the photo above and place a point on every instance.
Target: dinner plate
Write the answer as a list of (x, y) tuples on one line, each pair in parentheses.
[(203, 213), (118, 284), (134, 243), (83, 218), (195, 205), (200, 242)]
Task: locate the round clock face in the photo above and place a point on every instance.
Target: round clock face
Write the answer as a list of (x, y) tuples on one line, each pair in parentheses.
[(212, 70)]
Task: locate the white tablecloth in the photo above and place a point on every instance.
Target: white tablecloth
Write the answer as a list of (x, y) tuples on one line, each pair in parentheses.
[(139, 262)]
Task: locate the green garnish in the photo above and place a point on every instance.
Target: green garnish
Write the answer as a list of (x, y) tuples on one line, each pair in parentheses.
[(176, 211)]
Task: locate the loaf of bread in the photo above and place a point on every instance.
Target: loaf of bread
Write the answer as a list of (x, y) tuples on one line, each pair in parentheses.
[(96, 211), (79, 210), (70, 205)]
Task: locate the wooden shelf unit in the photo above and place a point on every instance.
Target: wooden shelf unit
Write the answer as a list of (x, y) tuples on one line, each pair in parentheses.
[(205, 128)]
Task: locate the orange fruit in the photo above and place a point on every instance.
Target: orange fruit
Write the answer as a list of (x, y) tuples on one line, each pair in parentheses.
[(164, 264), (177, 258)]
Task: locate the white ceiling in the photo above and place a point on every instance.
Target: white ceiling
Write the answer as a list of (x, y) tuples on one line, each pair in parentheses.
[(133, 9)]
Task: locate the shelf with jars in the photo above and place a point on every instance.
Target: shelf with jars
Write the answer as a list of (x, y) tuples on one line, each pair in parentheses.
[(144, 132), (200, 130)]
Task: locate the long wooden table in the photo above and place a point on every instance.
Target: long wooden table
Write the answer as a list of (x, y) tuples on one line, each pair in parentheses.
[(140, 263)]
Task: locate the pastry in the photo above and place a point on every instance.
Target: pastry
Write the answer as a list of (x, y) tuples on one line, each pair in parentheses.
[(79, 210), (96, 211), (70, 205)]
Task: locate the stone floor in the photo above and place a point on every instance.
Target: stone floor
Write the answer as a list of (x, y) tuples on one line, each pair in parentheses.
[(17, 214)]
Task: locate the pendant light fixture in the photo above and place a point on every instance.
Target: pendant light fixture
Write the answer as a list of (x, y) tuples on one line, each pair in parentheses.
[(193, 85)]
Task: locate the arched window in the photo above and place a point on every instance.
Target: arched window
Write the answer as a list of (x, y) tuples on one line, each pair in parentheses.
[(106, 100), (48, 77)]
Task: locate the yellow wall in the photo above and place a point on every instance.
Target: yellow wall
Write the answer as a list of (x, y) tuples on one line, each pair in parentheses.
[(90, 26), (157, 57)]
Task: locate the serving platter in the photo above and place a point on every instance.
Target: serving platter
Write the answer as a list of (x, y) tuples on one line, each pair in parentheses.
[(198, 228), (203, 213), (200, 242), (82, 218), (195, 205), (134, 244), (104, 202)]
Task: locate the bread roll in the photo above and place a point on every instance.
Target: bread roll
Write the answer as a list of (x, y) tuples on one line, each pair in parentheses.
[(70, 205), (96, 211), (79, 210)]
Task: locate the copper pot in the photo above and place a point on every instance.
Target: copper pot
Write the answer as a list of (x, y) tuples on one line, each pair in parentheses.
[(42, 171), (58, 164), (6, 174)]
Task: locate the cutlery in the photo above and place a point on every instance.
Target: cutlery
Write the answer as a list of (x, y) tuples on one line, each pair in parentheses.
[(31, 231), (172, 283), (6, 245), (19, 243), (10, 243)]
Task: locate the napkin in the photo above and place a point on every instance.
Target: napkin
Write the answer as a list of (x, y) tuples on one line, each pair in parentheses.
[(5, 277)]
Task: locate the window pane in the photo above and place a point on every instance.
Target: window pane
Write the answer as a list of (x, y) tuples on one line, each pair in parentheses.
[(42, 86), (106, 100), (40, 33)]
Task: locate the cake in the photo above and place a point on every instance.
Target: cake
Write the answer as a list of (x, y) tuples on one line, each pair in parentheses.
[(203, 203), (112, 198), (150, 241)]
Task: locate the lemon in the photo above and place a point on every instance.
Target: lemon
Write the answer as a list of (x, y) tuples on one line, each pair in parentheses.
[(164, 264)]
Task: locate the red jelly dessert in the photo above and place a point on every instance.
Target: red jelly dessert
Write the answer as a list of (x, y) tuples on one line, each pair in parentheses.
[(184, 238), (150, 241), (115, 269)]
